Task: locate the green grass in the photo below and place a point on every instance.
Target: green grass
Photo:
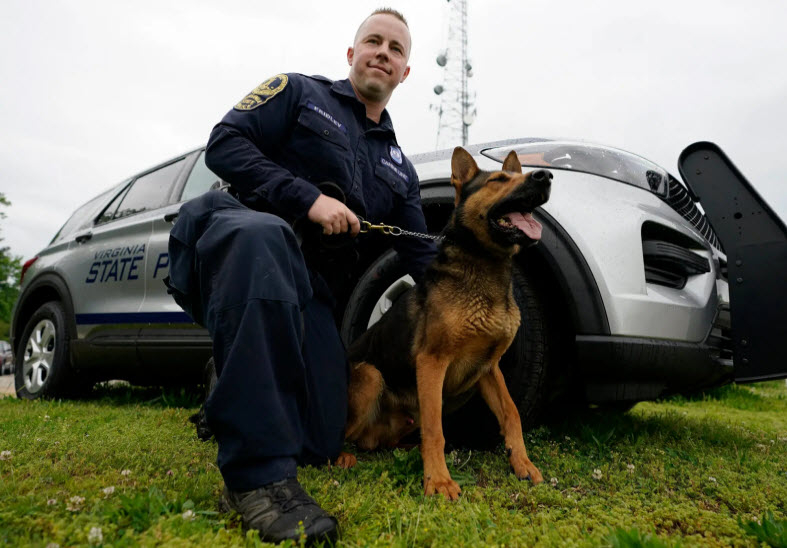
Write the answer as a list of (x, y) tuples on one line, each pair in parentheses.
[(710, 470)]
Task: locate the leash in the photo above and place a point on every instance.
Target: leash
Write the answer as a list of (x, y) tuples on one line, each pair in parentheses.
[(388, 230)]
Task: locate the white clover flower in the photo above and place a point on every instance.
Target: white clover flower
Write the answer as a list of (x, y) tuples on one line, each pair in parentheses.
[(335, 483), (5, 455), (712, 479), (108, 490), (760, 446), (95, 536), (75, 503), (568, 438), (597, 475), (51, 502), (630, 468), (553, 482), (46, 417), (53, 545), (125, 472), (188, 515)]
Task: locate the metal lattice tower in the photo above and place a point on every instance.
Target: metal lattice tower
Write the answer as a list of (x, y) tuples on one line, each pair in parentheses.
[(456, 110)]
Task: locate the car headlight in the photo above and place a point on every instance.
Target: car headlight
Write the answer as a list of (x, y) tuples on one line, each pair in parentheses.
[(599, 160)]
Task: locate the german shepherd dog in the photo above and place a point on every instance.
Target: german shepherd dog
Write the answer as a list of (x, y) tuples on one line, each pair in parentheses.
[(445, 336)]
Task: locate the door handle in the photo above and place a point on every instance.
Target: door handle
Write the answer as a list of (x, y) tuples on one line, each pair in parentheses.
[(170, 217), (82, 238)]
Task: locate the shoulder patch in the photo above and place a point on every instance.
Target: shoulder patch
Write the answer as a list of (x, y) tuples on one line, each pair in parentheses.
[(263, 93)]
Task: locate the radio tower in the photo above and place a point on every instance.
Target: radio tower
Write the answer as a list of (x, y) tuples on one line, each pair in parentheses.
[(456, 111)]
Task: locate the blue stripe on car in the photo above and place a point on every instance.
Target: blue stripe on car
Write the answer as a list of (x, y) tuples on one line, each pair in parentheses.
[(133, 317)]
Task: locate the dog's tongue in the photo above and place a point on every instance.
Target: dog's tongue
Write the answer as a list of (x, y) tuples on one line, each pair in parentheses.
[(526, 223)]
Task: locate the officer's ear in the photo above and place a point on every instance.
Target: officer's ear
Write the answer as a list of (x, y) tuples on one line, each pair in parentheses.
[(406, 72), (350, 53)]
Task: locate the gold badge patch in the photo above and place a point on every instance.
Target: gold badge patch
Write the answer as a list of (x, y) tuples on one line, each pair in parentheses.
[(263, 93)]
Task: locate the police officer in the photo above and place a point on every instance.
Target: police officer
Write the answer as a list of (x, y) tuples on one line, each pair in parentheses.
[(297, 151)]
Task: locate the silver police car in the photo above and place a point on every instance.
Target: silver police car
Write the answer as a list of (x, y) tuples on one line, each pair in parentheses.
[(626, 298)]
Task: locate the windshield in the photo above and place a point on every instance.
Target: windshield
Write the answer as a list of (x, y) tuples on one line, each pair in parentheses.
[(588, 158)]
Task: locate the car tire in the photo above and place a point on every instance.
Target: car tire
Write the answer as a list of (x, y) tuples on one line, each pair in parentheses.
[(524, 365), (42, 361), (378, 279)]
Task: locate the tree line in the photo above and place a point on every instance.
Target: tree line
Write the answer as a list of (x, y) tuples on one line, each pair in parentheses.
[(10, 268)]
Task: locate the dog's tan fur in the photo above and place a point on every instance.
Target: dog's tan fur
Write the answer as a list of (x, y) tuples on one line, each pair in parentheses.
[(460, 321)]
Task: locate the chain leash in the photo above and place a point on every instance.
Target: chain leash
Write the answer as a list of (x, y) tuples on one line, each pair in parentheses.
[(389, 230)]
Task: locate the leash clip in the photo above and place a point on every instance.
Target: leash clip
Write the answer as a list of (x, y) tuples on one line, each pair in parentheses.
[(366, 227)]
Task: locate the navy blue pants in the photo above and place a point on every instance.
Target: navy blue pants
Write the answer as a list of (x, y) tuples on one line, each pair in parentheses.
[(281, 395)]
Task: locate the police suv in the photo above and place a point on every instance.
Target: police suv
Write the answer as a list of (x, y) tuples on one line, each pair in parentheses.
[(625, 298)]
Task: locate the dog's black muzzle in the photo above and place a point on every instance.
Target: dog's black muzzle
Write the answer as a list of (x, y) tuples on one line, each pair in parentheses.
[(542, 181)]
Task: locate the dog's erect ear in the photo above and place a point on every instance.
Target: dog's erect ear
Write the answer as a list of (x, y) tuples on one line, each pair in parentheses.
[(512, 163), (463, 169)]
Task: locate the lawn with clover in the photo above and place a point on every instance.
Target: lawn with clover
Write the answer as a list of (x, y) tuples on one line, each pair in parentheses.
[(124, 468)]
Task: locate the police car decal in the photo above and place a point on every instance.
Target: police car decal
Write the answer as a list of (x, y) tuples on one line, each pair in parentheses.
[(117, 264), (263, 93), (395, 169), (327, 116), (120, 264), (396, 154)]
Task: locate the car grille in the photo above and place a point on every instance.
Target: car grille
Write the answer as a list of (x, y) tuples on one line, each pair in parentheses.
[(680, 200), (670, 264)]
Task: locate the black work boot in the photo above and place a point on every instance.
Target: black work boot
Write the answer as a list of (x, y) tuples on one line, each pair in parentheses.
[(277, 510)]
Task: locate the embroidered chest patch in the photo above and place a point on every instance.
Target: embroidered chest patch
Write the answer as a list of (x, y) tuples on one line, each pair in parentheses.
[(327, 116), (391, 166), (263, 93)]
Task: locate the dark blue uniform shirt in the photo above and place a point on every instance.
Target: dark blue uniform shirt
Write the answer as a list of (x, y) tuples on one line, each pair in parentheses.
[(293, 132)]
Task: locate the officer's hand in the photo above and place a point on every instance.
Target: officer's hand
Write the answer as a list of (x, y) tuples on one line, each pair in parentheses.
[(333, 216)]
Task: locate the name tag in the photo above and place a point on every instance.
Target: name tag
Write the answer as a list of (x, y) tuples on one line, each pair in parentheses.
[(327, 116), (395, 169)]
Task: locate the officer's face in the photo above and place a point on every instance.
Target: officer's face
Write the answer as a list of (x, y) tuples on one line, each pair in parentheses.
[(378, 58)]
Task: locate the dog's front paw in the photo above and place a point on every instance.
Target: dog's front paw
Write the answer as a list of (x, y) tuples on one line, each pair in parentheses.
[(524, 469), (445, 486), (345, 460)]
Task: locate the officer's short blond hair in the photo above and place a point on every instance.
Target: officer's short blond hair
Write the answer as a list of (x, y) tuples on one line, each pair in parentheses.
[(385, 11), (389, 11)]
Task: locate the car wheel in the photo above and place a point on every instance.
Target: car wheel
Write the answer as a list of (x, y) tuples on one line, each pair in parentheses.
[(42, 368), (382, 283), (524, 365)]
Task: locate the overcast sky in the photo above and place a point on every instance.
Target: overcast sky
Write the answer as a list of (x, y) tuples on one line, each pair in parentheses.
[(94, 91)]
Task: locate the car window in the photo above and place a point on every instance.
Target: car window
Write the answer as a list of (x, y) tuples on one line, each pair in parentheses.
[(149, 191), (109, 212), (200, 180), (83, 215)]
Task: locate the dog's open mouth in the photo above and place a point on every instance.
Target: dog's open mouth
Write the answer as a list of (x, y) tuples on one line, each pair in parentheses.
[(520, 221)]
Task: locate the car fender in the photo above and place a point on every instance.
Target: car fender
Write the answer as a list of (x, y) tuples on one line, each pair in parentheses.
[(45, 287), (563, 258)]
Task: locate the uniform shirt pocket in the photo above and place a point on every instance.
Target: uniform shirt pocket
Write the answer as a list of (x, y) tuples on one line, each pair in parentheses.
[(393, 180), (324, 127)]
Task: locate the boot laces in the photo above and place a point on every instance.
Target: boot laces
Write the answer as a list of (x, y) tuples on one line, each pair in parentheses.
[(291, 497)]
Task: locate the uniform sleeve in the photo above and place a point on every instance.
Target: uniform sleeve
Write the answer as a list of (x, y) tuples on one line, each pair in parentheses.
[(241, 146), (416, 253)]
